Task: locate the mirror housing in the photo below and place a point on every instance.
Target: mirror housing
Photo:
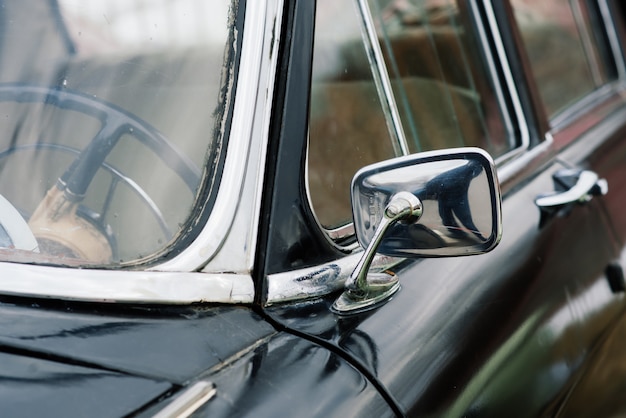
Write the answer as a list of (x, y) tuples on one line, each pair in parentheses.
[(432, 204), (460, 195)]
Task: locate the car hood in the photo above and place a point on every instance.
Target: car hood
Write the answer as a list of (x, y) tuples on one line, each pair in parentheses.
[(109, 360), (31, 386)]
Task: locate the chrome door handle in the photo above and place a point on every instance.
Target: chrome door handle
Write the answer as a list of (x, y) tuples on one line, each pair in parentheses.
[(586, 185)]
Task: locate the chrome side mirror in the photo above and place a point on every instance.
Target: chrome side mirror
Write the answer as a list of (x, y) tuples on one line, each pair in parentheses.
[(432, 204)]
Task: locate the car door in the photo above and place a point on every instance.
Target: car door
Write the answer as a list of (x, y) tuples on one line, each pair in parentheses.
[(603, 150), (508, 332)]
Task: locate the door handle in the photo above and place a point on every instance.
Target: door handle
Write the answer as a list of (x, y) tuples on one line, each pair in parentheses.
[(578, 186)]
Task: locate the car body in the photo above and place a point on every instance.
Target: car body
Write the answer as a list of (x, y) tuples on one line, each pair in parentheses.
[(177, 229)]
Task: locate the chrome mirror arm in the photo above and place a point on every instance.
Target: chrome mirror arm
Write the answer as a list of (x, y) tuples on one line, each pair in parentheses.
[(363, 290)]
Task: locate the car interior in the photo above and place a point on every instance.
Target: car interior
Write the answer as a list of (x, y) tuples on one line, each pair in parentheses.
[(58, 96)]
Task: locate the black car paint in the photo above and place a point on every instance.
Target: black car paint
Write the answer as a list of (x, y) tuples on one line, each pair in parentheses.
[(290, 376), (31, 386), (154, 349), (140, 342), (75, 359)]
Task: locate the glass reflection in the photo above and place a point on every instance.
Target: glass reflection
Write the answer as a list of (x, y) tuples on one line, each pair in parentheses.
[(566, 55), (149, 78)]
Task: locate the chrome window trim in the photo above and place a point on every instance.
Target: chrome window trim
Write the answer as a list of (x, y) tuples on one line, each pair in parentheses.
[(341, 232), (319, 280), (335, 234), (124, 286), (511, 88), (613, 37), (382, 80), (229, 194)]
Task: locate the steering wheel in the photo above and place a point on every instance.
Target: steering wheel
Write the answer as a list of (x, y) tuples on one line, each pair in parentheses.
[(14, 231), (60, 224)]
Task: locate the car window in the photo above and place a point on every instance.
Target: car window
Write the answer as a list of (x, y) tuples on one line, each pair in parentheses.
[(110, 111), (567, 55), (442, 90), (347, 128)]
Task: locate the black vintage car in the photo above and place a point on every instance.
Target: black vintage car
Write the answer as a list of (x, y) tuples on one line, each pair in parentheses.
[(312, 208)]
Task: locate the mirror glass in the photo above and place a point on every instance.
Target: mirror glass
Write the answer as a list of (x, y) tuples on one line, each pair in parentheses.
[(460, 195)]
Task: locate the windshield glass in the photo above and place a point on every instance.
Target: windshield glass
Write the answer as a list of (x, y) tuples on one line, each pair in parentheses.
[(111, 114)]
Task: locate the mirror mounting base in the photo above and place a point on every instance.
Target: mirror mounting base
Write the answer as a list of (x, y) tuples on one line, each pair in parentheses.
[(381, 286)]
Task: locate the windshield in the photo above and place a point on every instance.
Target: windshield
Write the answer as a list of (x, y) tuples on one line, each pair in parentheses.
[(112, 112)]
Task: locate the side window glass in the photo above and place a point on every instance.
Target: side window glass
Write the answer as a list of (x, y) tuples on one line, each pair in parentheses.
[(440, 80), (567, 56), (347, 128), (442, 92)]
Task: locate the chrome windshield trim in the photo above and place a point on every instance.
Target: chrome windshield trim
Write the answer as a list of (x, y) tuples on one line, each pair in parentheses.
[(213, 233), (124, 286), (319, 280), (238, 250)]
